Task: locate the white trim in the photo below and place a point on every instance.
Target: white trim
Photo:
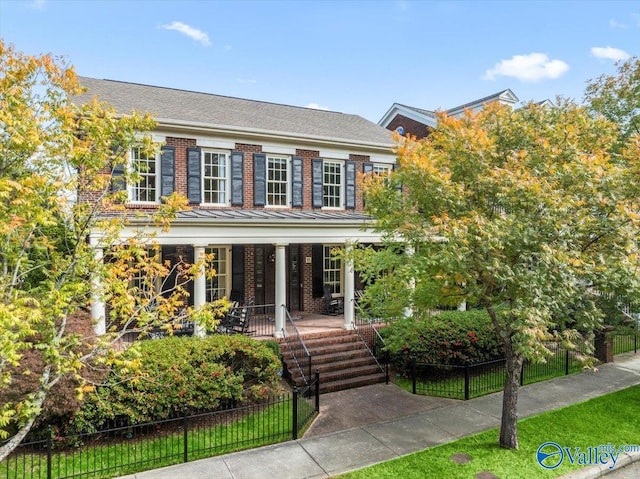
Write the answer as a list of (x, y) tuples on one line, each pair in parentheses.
[(398, 109), (278, 149), (215, 143), (231, 233), (334, 155), (245, 134)]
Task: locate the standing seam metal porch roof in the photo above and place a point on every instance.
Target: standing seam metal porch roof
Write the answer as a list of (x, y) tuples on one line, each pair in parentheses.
[(222, 111)]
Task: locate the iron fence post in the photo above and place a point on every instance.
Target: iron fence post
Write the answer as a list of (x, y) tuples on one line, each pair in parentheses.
[(295, 413), (466, 381), (635, 343), (413, 375), (317, 390), (566, 362), (184, 434), (49, 448), (522, 373)]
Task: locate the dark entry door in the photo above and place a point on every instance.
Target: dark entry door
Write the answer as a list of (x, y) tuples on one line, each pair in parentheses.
[(294, 279)]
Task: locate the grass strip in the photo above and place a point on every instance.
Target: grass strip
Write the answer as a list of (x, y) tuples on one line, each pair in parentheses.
[(607, 419)]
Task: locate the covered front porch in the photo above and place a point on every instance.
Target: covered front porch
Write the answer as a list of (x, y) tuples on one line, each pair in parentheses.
[(278, 260)]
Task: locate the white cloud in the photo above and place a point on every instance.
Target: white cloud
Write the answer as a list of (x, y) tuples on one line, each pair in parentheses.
[(609, 53), (37, 4), (614, 24), (528, 68), (316, 106), (193, 33)]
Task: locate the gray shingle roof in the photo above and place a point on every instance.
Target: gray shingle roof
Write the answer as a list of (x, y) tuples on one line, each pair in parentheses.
[(172, 105)]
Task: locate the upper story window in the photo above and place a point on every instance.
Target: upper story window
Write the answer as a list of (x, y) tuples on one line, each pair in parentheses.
[(332, 184), (382, 169), (215, 177), (278, 181), (145, 166)]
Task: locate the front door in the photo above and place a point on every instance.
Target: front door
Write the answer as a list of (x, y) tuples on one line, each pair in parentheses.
[(294, 279)]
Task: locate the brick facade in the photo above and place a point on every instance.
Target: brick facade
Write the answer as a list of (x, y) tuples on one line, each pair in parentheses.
[(411, 127)]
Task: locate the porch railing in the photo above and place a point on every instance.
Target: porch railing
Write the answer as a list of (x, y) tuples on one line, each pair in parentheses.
[(262, 321), (296, 346)]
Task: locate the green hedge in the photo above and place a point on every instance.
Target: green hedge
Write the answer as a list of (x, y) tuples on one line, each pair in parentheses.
[(451, 337), (196, 373)]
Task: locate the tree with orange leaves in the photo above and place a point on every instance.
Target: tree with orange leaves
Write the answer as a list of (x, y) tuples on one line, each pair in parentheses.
[(523, 213)]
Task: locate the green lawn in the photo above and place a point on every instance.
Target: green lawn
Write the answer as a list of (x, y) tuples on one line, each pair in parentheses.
[(608, 419), (268, 426)]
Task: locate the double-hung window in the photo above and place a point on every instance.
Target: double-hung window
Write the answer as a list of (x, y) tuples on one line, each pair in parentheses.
[(332, 271), (219, 286), (381, 169), (214, 177), (332, 184), (278, 178), (145, 167)]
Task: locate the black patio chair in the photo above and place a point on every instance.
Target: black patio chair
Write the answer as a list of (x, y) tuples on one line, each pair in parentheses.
[(237, 320), (333, 306)]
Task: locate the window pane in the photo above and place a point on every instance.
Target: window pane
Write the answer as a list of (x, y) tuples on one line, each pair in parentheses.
[(214, 177), (277, 181)]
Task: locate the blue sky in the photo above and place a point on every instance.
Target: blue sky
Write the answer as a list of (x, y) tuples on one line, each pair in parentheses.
[(351, 56)]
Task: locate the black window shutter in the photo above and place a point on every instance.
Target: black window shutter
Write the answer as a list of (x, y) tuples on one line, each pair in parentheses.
[(167, 170), (237, 178), (297, 198), (394, 168), (350, 184), (237, 273), (118, 182), (259, 179), (367, 168), (317, 270), (317, 191), (194, 170)]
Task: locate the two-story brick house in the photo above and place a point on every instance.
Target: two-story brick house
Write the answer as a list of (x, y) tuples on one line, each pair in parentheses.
[(272, 189)]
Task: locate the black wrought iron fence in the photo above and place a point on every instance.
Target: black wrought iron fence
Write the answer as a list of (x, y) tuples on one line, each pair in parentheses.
[(133, 448), (473, 380), (625, 343), (262, 320)]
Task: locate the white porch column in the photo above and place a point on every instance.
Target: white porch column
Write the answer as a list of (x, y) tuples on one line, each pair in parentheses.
[(281, 289), (199, 287), (349, 286), (98, 310)]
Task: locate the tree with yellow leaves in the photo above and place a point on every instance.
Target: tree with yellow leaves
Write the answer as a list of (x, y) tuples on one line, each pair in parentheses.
[(51, 149), (523, 213)]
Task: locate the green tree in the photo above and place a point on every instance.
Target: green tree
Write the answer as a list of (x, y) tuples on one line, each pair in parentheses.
[(523, 213), (51, 150), (617, 97)]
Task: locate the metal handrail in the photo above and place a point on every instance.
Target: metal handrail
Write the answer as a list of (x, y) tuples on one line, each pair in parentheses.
[(366, 345), (306, 355)]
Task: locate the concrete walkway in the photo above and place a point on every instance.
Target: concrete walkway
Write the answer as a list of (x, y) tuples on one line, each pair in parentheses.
[(369, 425)]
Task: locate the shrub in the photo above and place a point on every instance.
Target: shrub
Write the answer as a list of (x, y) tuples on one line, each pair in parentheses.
[(196, 373), (451, 337)]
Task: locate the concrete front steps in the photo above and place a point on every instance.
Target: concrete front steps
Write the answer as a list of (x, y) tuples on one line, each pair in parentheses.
[(344, 362)]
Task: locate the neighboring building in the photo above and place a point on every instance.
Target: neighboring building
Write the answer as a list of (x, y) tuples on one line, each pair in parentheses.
[(272, 189), (418, 122)]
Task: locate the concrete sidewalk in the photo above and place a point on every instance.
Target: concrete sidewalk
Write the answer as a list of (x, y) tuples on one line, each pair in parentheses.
[(382, 422)]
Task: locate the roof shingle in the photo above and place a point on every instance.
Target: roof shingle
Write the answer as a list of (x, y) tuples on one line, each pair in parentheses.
[(181, 106)]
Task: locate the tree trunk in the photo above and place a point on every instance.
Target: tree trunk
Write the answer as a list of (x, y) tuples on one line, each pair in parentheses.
[(36, 404), (509, 424)]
